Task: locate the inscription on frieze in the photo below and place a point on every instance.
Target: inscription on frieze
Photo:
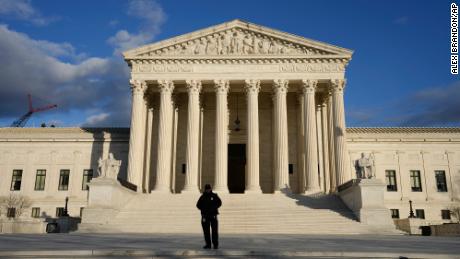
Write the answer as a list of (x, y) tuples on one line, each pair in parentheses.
[(268, 68)]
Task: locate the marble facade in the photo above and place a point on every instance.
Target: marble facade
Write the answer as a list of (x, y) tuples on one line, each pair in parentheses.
[(279, 96)]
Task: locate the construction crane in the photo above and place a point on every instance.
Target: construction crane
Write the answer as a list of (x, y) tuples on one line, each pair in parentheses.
[(21, 122)]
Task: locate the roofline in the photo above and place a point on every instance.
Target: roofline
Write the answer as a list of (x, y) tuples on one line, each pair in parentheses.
[(349, 129), (386, 130)]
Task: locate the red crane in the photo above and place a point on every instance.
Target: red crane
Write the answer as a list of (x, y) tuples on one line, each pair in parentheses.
[(21, 122)]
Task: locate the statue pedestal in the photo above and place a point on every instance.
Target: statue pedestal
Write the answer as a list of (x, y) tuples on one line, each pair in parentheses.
[(105, 198), (365, 197), (410, 225)]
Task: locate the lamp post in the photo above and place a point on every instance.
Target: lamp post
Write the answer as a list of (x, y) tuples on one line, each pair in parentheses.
[(411, 211)]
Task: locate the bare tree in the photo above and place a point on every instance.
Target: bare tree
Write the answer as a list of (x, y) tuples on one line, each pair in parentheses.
[(16, 201), (455, 211)]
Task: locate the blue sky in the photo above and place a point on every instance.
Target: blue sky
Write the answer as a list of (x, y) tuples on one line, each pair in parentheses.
[(67, 52)]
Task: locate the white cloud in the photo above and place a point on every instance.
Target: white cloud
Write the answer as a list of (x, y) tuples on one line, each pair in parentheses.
[(87, 84), (152, 16), (113, 23), (23, 10), (96, 119)]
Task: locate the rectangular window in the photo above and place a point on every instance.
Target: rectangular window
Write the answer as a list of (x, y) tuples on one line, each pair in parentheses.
[(87, 176), (445, 214), (391, 180), (40, 180), (415, 181), (64, 180), (184, 168), (291, 168), (59, 212), (81, 211), (395, 213), (441, 180), (35, 212), (420, 214), (16, 180), (11, 212)]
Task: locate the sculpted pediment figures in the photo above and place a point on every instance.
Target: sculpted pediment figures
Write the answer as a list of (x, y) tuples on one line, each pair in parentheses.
[(236, 40)]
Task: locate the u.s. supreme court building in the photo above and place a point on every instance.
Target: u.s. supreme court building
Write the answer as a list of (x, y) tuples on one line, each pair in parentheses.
[(257, 113)]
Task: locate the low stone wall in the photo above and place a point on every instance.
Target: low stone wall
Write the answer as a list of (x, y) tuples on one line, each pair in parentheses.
[(10, 226), (410, 225), (445, 230)]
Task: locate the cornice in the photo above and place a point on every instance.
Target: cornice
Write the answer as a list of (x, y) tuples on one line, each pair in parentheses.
[(63, 134), (404, 130)]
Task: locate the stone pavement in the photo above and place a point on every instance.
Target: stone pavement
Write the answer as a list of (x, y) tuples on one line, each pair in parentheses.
[(232, 246)]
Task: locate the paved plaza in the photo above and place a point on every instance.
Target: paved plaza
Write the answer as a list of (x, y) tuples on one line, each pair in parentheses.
[(232, 246)]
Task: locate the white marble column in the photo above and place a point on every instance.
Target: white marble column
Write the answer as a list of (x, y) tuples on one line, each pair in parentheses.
[(330, 131), (221, 149), (175, 123), (319, 140), (193, 136), (252, 177), (136, 137), (301, 143), (280, 142), (325, 139), (340, 148), (148, 149), (165, 131), (311, 145)]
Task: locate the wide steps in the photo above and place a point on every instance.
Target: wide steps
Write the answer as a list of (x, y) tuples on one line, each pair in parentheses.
[(240, 213)]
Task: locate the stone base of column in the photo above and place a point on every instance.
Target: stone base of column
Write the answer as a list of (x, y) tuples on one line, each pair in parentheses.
[(253, 191), (220, 189), (161, 190), (312, 191), (283, 191), (190, 190)]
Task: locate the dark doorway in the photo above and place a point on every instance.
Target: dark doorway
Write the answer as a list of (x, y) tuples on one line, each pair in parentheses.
[(236, 168)]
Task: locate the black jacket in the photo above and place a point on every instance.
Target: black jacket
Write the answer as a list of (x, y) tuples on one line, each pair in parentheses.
[(208, 204)]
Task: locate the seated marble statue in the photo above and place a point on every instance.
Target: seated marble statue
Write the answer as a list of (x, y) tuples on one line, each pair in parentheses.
[(108, 168), (365, 167)]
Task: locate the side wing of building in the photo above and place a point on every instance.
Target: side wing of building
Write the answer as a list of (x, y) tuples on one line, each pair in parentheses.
[(418, 164), (46, 165)]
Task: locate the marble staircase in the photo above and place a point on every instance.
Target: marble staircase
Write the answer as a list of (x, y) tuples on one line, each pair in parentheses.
[(240, 213)]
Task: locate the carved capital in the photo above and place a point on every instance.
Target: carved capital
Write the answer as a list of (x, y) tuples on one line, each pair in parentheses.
[(252, 86), (222, 86), (337, 85), (193, 86), (309, 86), (280, 86), (138, 86), (166, 86)]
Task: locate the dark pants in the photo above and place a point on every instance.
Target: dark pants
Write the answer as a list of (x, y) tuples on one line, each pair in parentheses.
[(210, 221)]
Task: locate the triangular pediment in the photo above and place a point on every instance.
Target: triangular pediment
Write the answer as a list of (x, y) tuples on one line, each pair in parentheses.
[(237, 38)]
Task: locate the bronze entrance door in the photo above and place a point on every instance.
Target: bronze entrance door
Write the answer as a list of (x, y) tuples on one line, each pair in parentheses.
[(236, 168)]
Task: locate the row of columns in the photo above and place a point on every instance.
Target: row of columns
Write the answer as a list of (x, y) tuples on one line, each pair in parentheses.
[(332, 129)]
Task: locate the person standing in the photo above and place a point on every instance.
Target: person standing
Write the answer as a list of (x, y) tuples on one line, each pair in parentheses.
[(208, 204)]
